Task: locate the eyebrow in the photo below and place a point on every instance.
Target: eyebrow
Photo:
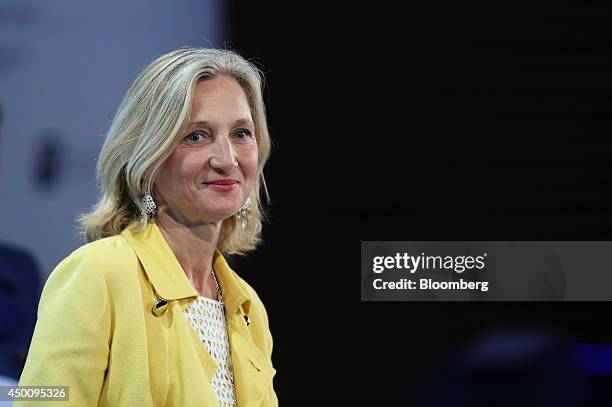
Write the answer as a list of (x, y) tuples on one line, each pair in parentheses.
[(239, 122)]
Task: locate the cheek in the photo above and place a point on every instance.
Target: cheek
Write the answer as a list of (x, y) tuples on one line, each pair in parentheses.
[(249, 163), (176, 170)]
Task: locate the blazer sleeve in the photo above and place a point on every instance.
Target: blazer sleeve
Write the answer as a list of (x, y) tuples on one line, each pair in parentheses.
[(71, 341)]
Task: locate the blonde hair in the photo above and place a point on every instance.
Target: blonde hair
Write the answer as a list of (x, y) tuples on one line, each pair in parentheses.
[(148, 125)]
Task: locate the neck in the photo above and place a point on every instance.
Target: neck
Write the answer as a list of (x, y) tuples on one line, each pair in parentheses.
[(194, 246)]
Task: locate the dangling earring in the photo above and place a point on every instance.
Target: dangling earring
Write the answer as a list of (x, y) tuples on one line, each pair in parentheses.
[(244, 214), (149, 205)]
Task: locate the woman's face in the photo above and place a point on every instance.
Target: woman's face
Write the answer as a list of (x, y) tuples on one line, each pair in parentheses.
[(218, 146)]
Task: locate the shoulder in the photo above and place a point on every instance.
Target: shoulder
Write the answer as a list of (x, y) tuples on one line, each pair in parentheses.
[(102, 261), (102, 250)]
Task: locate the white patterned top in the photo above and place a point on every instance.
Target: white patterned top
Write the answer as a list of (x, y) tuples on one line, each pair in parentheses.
[(207, 317)]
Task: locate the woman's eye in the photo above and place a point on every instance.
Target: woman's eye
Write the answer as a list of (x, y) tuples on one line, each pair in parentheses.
[(194, 137), (243, 133)]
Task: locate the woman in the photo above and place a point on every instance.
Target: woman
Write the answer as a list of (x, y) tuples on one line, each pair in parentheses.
[(149, 313)]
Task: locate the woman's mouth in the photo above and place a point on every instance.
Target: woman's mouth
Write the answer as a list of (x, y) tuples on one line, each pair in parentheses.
[(223, 185)]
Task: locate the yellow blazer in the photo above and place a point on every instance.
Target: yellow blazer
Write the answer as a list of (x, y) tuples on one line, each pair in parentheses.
[(97, 334)]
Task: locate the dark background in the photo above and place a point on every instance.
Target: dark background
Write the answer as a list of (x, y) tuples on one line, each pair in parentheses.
[(299, 270), (432, 121)]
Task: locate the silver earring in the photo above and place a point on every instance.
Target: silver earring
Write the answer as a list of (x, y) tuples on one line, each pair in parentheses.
[(149, 205), (244, 214)]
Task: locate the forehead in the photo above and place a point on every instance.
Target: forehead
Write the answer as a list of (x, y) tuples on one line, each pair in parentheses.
[(220, 95)]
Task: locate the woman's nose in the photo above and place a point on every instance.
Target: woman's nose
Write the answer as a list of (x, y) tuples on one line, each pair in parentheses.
[(223, 159)]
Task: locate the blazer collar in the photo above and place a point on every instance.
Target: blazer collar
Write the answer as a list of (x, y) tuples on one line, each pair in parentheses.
[(167, 276)]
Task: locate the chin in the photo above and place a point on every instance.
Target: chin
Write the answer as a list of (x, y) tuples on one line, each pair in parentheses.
[(219, 216)]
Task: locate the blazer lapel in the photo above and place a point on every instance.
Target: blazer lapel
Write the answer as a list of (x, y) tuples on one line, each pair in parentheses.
[(206, 360), (159, 262)]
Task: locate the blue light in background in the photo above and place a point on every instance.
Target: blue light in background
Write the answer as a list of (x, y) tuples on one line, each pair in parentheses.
[(594, 359)]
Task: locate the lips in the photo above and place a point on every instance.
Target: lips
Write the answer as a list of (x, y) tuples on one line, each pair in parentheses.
[(222, 182)]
